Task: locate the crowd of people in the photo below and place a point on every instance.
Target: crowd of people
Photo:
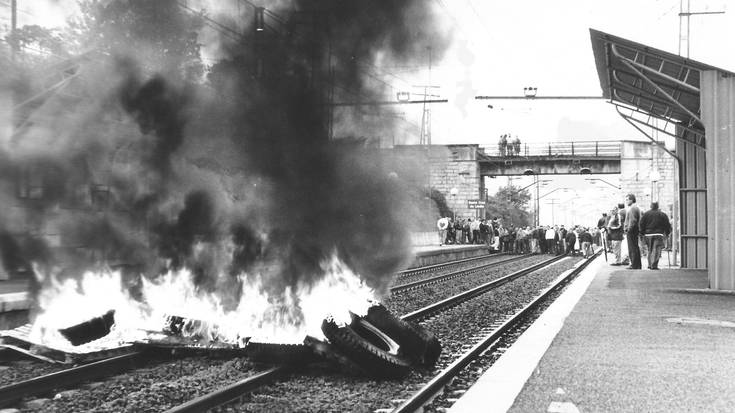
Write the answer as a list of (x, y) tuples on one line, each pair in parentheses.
[(518, 240), (643, 233), (508, 146)]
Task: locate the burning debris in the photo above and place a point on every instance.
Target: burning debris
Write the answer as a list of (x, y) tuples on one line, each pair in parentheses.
[(143, 185), (90, 330)]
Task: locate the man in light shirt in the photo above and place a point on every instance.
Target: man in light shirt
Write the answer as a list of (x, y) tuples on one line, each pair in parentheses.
[(632, 218)]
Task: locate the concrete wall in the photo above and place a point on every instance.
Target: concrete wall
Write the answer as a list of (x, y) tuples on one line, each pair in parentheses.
[(457, 167)]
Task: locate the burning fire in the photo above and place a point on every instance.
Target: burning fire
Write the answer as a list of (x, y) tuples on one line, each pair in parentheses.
[(257, 316)]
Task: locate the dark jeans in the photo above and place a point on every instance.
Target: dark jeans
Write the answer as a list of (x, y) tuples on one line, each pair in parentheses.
[(634, 253), (655, 244)]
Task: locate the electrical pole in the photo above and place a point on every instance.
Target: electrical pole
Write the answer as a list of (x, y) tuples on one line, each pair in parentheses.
[(425, 138), (13, 26), (685, 27), (537, 221), (553, 204)]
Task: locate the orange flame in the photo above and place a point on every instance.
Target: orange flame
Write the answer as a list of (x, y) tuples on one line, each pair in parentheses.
[(296, 313)]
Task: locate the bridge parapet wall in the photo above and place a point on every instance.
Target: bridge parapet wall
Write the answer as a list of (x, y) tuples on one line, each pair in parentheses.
[(568, 149)]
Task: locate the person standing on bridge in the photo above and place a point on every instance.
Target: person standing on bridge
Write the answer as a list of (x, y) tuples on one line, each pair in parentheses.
[(654, 226), (517, 146), (632, 219), (502, 143)]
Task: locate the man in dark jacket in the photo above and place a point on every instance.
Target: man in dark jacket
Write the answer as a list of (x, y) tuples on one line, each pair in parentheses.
[(654, 226), (632, 218), (570, 239)]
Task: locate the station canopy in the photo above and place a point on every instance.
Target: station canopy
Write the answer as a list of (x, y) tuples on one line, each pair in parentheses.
[(650, 87)]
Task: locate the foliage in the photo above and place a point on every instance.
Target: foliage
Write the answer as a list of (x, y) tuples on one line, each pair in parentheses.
[(441, 203), (38, 38), (161, 34), (511, 205)]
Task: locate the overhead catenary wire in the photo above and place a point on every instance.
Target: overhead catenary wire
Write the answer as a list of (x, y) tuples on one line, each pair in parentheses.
[(228, 31)]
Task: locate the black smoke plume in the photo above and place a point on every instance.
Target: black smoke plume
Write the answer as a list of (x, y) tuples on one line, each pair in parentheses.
[(252, 172)]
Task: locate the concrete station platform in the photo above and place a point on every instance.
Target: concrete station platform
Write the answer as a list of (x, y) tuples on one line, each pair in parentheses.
[(620, 341), (15, 301), (436, 254)]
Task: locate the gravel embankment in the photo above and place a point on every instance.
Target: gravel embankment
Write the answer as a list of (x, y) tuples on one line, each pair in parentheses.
[(318, 387), (18, 370), (151, 389), (488, 259), (325, 390)]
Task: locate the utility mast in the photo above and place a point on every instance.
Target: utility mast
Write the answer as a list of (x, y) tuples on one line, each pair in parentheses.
[(425, 138), (684, 31)]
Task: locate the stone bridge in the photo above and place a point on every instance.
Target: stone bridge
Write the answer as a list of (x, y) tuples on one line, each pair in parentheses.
[(558, 158)]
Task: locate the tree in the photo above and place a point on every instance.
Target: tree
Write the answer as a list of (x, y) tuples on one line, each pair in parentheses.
[(510, 204), (160, 33)]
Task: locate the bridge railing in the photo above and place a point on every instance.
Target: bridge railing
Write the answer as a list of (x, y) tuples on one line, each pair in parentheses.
[(580, 148)]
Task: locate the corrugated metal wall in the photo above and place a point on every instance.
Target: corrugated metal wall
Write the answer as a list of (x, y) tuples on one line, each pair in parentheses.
[(693, 201), (718, 116)]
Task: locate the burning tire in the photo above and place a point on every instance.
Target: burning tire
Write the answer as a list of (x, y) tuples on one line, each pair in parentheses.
[(368, 347), (89, 330), (417, 344)]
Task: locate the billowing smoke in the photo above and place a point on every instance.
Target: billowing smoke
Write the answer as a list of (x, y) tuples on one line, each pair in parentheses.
[(148, 166)]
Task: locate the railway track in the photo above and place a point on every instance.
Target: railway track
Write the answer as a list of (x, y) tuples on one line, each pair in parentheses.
[(240, 389), (432, 310), (413, 274), (483, 265), (436, 385), (46, 383)]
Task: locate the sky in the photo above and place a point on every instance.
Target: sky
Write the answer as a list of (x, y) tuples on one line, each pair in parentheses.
[(499, 47)]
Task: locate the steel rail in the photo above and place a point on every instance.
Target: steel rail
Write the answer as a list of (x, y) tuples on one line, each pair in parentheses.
[(433, 267), (481, 289), (231, 392), (433, 387), (62, 379), (446, 277)]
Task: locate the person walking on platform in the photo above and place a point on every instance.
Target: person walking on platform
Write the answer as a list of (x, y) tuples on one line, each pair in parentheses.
[(442, 224), (458, 226), (585, 239), (475, 228), (569, 240), (624, 244), (632, 219), (615, 234), (562, 248), (451, 234), (466, 235), (601, 226), (484, 232), (540, 234), (655, 227), (550, 236)]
